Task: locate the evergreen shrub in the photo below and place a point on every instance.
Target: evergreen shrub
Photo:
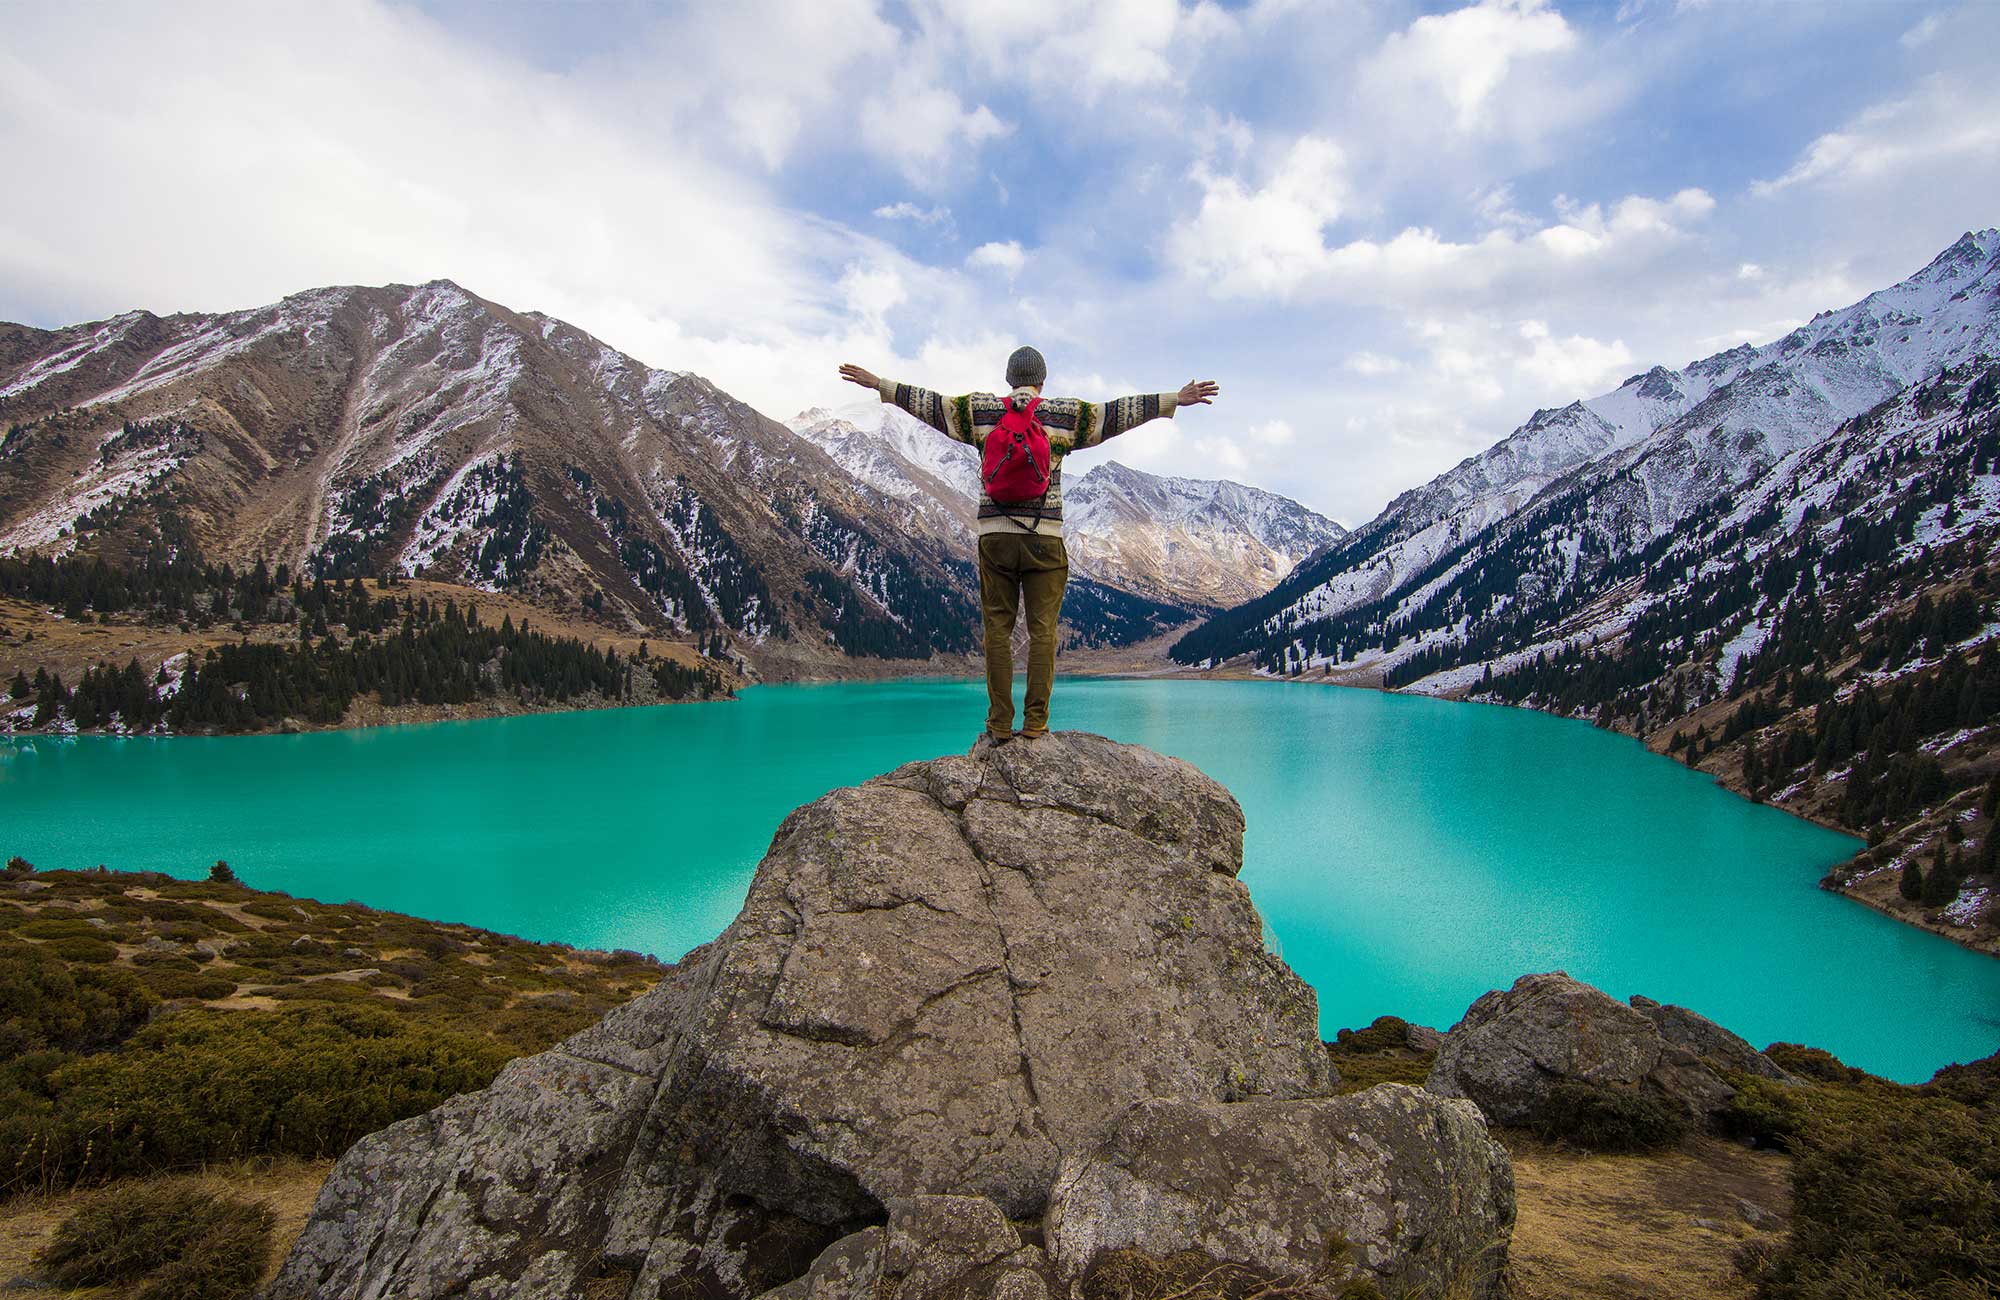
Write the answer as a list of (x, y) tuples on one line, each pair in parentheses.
[(1600, 1118), (208, 1085), (164, 1241)]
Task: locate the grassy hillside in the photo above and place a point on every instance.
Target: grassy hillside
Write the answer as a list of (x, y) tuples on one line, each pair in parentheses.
[(151, 1024)]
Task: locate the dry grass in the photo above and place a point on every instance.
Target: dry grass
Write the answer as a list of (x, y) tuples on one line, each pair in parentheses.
[(286, 1187), (1624, 1227), (459, 973)]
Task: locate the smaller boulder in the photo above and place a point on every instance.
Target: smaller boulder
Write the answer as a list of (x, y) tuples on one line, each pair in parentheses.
[(1422, 1038), (1390, 1185), (932, 1248), (1708, 1040), (1515, 1046)]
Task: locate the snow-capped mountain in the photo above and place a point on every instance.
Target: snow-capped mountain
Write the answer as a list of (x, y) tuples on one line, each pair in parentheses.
[(1184, 542), (421, 428), (925, 481), (1497, 553), (1207, 540)]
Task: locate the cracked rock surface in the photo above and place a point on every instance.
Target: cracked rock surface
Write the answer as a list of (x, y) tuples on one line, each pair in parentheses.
[(1388, 1186), (941, 983)]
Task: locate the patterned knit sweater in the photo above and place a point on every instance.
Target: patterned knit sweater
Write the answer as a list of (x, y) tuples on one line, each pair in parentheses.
[(1072, 424)]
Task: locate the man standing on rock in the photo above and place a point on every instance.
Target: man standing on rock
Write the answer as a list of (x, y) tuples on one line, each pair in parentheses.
[(1022, 438)]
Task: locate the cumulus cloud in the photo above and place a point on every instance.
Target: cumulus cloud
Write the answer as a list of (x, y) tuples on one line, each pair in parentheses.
[(923, 128), (1005, 257), (1574, 364), (1465, 56), (772, 77), (1271, 239), (1268, 239)]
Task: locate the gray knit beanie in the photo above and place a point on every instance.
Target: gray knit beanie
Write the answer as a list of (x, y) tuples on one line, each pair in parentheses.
[(1026, 369)]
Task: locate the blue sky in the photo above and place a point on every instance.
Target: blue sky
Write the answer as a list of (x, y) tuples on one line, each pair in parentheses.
[(1390, 231)]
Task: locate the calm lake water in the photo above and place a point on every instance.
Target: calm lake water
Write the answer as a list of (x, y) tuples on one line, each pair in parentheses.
[(1409, 854)]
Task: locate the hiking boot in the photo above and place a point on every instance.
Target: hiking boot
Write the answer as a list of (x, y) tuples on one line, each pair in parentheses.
[(1036, 734), (991, 740)]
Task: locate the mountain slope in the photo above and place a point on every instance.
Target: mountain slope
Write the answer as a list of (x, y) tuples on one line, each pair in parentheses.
[(424, 429), (1183, 542), (1212, 541), (1522, 536)]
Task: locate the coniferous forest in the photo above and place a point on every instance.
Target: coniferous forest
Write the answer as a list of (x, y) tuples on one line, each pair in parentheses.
[(349, 638)]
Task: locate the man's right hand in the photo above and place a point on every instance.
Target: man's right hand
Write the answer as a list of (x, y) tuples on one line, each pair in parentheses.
[(1197, 392), (856, 375)]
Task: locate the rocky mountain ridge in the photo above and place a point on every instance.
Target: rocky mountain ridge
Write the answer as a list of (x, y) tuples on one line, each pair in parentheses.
[(424, 430), (1606, 477)]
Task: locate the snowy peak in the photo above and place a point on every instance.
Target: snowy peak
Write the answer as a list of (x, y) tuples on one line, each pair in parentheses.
[(1577, 493), (1964, 260), (1212, 542)]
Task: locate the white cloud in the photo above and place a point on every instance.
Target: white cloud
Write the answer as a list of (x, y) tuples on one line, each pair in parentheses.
[(1372, 364), (1266, 240), (773, 77), (1464, 57), (908, 211), (1950, 119), (1575, 364), (1084, 50), (923, 128), (1270, 241), (1005, 257), (1922, 33)]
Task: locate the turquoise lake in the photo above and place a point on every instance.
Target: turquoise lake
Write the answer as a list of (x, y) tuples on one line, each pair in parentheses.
[(1409, 854)]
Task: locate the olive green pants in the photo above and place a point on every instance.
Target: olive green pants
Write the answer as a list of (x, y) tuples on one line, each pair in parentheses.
[(1011, 567)]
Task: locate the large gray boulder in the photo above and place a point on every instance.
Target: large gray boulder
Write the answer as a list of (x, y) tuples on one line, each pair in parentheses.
[(1390, 1185), (1515, 1045), (942, 983)]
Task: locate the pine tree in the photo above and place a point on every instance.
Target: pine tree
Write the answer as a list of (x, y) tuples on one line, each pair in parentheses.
[(222, 873), (1942, 883), (1911, 886)]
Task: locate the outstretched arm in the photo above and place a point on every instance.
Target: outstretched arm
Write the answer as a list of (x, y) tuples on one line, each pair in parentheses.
[(926, 405), (1110, 419)]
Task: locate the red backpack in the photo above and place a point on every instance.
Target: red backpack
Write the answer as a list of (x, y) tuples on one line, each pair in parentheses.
[(1015, 458)]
